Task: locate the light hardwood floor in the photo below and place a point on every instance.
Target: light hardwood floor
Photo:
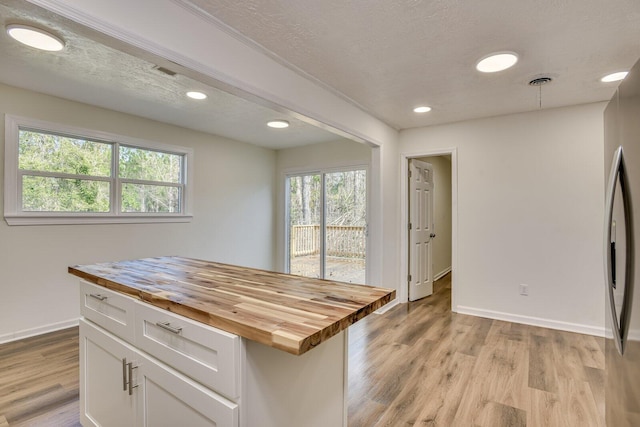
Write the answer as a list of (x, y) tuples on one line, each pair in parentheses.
[(418, 364), (39, 381), (422, 365)]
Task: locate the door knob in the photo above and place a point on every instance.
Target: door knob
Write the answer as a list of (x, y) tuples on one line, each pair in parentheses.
[(432, 235)]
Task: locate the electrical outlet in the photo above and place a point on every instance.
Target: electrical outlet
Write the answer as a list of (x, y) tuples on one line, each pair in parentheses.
[(524, 290)]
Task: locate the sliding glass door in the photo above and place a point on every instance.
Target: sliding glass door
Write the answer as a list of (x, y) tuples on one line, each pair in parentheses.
[(327, 225), (304, 214)]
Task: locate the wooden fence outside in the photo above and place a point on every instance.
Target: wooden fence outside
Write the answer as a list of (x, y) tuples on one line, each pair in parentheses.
[(342, 241)]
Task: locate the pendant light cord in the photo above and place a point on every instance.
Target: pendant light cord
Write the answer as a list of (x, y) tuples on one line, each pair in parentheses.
[(540, 97)]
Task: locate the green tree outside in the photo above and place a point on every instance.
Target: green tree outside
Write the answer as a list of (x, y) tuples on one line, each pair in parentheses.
[(61, 174)]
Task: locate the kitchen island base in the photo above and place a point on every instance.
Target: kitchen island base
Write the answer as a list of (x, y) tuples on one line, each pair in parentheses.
[(137, 369), (179, 341), (287, 390)]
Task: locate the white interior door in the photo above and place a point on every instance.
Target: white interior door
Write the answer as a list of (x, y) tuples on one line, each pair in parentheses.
[(421, 229)]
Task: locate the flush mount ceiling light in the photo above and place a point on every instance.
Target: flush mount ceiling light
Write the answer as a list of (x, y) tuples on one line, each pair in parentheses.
[(196, 95), (614, 77), (35, 37), (422, 109), (497, 62), (278, 124)]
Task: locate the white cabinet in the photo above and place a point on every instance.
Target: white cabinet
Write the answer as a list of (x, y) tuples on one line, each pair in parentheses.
[(109, 309), (122, 386), (167, 398), (208, 354), (105, 400), (143, 366), (136, 362)]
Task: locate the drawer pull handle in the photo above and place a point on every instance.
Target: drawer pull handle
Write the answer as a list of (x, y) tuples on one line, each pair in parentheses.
[(98, 297), (167, 326)]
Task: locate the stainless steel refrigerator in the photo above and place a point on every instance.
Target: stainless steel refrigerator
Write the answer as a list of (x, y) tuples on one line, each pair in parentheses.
[(621, 231)]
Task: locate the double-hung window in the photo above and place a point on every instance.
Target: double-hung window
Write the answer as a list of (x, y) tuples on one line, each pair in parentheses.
[(61, 175)]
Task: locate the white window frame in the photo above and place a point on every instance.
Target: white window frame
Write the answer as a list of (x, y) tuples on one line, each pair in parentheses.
[(13, 214)]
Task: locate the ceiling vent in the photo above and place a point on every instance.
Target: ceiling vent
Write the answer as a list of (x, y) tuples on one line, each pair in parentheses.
[(540, 81)]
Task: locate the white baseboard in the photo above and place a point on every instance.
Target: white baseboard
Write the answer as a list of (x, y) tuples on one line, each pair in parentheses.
[(442, 274), (387, 307), (15, 336), (533, 321)]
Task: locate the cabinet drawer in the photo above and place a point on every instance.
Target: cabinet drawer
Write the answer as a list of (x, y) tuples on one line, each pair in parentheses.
[(109, 309), (206, 354)]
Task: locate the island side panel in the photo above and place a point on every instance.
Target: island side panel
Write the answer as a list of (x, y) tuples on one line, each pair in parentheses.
[(283, 390)]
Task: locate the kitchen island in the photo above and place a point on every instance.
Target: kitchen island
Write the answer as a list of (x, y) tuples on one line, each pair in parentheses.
[(177, 340)]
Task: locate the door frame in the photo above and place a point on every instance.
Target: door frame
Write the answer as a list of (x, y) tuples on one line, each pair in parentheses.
[(403, 296), (322, 171)]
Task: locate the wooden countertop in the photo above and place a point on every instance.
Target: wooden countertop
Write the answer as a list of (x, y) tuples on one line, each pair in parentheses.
[(291, 313)]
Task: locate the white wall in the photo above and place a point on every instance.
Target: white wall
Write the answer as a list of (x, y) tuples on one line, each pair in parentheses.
[(309, 158), (233, 217), (336, 154), (530, 202), (441, 244)]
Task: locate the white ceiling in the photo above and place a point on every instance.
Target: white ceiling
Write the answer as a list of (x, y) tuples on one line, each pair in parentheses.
[(390, 55), (386, 56), (94, 73)]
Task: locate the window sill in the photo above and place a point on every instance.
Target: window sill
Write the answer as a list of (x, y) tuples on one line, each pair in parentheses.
[(79, 220)]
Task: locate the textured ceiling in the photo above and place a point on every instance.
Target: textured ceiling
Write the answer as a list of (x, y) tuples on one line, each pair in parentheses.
[(391, 55), (94, 73), (386, 56)]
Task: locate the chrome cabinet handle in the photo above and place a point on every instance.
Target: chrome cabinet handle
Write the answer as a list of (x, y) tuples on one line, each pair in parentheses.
[(619, 171), (130, 370), (124, 374), (167, 326), (98, 297)]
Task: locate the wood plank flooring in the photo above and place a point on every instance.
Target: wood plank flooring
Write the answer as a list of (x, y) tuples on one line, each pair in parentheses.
[(417, 365), (422, 365), (39, 381)]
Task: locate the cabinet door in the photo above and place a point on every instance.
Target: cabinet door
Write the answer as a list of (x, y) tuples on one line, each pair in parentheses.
[(168, 398), (104, 399)]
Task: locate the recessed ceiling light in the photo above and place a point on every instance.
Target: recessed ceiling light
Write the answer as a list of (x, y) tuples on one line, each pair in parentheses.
[(614, 77), (497, 62), (35, 37), (196, 95), (422, 109), (278, 124)]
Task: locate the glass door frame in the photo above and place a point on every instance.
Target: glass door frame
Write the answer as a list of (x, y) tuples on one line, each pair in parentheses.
[(323, 220)]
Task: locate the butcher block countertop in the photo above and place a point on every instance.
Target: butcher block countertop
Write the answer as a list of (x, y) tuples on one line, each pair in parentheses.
[(290, 313)]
